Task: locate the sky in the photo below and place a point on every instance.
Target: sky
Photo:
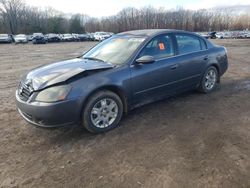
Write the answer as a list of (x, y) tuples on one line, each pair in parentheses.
[(100, 8)]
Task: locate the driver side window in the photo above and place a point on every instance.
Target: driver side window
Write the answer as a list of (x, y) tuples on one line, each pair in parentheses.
[(159, 47)]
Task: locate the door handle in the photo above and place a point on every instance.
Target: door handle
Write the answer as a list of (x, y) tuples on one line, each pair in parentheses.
[(205, 58), (174, 66)]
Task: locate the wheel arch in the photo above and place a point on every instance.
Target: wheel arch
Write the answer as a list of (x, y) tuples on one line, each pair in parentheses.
[(217, 68), (115, 89)]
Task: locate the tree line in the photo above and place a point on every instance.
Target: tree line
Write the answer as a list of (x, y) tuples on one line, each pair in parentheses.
[(18, 17), (179, 18)]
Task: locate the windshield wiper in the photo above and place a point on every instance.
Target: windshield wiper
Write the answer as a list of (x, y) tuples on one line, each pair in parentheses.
[(93, 58)]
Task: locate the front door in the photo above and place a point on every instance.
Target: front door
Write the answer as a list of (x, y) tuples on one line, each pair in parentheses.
[(153, 81)]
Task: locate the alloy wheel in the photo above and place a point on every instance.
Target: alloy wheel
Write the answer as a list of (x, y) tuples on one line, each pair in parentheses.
[(210, 79), (104, 113)]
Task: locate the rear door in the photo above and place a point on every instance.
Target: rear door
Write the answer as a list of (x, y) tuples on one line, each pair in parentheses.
[(192, 57)]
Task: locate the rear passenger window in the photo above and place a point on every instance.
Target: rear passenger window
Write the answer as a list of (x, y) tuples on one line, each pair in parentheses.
[(203, 44), (159, 47), (187, 43)]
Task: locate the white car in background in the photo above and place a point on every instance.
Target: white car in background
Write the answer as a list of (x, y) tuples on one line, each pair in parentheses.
[(203, 34), (100, 36), (219, 35), (248, 34), (21, 38), (67, 37)]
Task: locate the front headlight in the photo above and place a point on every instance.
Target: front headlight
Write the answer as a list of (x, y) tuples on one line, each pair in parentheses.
[(53, 94)]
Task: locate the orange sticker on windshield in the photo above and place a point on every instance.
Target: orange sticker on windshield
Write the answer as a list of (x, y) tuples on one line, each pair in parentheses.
[(161, 46)]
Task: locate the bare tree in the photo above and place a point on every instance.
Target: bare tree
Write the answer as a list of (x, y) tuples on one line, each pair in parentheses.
[(17, 17), (12, 11)]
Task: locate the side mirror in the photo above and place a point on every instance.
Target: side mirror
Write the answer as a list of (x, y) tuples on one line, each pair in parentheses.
[(145, 60)]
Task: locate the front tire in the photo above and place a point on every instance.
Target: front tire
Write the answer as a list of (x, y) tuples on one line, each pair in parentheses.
[(102, 112), (209, 80)]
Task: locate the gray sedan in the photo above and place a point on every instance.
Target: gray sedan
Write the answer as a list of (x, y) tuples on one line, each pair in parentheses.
[(123, 72)]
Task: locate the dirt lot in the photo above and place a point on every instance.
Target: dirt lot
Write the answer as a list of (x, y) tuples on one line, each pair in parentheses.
[(193, 140)]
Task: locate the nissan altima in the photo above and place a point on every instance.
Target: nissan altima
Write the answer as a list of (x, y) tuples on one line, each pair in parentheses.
[(126, 71)]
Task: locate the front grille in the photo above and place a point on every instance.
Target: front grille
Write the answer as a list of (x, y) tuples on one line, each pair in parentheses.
[(24, 91)]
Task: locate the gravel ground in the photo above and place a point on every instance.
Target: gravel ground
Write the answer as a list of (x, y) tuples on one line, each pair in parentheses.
[(191, 140)]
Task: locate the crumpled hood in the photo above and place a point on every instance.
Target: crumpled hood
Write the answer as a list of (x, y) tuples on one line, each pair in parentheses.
[(51, 74)]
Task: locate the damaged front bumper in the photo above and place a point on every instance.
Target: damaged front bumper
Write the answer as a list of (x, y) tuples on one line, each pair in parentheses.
[(55, 114)]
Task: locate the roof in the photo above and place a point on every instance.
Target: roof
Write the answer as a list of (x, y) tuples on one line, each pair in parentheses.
[(148, 32)]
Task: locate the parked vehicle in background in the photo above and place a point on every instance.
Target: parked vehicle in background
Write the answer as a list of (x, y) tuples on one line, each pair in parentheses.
[(61, 37), (67, 37), (248, 34), (84, 37), (91, 36), (29, 37), (39, 38), (203, 34), (121, 73), (52, 37), (233, 34), (110, 34), (219, 35), (21, 38), (227, 35), (100, 36), (212, 35), (75, 37), (5, 38), (240, 34)]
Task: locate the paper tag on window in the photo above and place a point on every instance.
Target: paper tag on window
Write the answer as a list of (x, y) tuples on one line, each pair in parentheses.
[(161, 46)]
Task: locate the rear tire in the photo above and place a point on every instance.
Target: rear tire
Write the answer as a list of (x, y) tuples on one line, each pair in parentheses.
[(102, 112), (209, 80)]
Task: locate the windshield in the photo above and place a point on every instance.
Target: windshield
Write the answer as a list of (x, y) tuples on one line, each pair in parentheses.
[(116, 50)]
